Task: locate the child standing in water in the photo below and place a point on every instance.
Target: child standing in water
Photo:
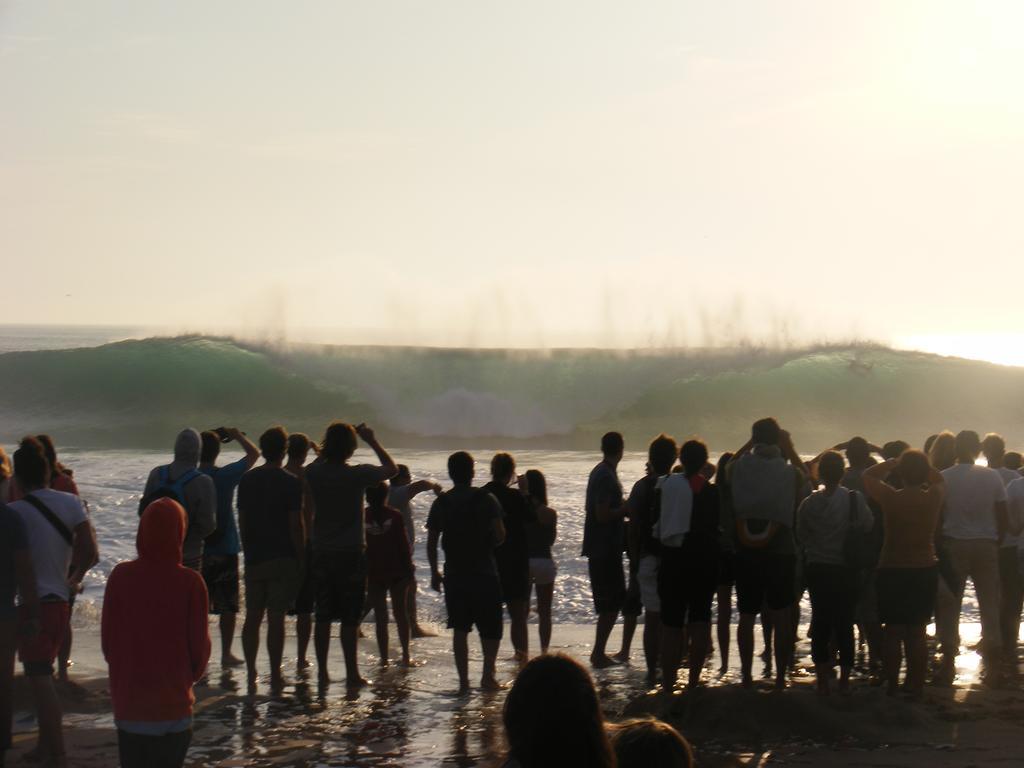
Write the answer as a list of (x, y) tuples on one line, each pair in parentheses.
[(390, 569)]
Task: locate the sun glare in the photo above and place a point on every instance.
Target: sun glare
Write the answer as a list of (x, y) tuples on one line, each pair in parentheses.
[(1001, 348)]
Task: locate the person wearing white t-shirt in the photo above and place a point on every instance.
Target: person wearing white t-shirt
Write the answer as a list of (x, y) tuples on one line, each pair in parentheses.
[(403, 491), (62, 546), (1011, 583), (974, 520)]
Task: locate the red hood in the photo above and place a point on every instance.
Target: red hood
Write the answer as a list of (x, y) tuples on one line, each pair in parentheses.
[(161, 532)]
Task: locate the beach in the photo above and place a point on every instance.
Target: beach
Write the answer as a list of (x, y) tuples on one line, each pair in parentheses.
[(415, 717)]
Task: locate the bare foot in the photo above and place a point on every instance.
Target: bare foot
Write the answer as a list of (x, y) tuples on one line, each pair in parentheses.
[(418, 631), (354, 684), (408, 662), (323, 678), (602, 662), (489, 684), (747, 682), (302, 664), (463, 687), (277, 683), (383, 663), (231, 661), (622, 657)]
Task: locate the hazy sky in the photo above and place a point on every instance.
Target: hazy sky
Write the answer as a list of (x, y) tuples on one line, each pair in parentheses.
[(517, 173)]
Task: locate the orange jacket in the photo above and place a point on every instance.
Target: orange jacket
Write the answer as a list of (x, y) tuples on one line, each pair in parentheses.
[(155, 635)]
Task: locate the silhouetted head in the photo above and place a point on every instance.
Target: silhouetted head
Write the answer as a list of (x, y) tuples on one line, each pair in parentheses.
[(1011, 460), (503, 468), (298, 447), (553, 717), (929, 443), (404, 476), (894, 449), (766, 431), (31, 468), (943, 451), (650, 743), (187, 447), (50, 452), (461, 468), (612, 446), (537, 486), (274, 444), (857, 452), (661, 454), (377, 495), (693, 455), (210, 449), (968, 446), (831, 468), (994, 448), (914, 467), (339, 442)]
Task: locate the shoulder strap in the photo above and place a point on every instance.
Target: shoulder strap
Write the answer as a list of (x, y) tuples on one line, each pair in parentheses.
[(51, 518)]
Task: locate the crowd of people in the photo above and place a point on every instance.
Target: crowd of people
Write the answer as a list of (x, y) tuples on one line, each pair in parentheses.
[(882, 539)]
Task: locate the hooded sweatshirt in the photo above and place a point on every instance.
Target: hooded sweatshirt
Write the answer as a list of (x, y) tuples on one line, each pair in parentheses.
[(200, 494), (154, 633)]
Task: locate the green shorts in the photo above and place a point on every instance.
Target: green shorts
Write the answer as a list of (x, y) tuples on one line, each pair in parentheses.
[(271, 585)]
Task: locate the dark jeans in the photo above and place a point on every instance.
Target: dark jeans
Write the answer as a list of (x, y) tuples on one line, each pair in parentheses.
[(833, 590), (153, 751), (7, 646)]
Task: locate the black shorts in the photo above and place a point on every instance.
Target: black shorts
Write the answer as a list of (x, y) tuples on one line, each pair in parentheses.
[(686, 587), (220, 572), (726, 568), (906, 595), (607, 583), (764, 578), (339, 586), (475, 600), (305, 600), (515, 581)]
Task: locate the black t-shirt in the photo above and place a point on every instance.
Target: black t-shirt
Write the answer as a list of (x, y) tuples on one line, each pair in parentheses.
[(266, 498), (464, 516), (644, 512), (515, 552), (704, 535), (12, 540)]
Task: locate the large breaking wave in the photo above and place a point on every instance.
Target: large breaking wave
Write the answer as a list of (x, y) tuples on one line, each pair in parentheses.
[(137, 393)]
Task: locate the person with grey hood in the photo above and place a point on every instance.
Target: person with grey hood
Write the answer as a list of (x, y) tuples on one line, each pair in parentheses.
[(182, 481)]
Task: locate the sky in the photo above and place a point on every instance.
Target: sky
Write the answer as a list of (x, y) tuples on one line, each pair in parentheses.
[(525, 174)]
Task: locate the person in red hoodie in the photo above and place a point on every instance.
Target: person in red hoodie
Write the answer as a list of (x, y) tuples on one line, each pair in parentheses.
[(156, 641)]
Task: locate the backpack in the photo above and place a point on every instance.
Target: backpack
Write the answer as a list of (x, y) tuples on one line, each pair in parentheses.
[(171, 489), (859, 551)]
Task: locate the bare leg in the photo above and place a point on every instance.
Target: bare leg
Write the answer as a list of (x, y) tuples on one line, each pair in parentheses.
[(700, 635), (251, 644), (378, 598), (724, 625), (51, 734), (64, 654), (488, 681), (399, 606), (599, 656), (917, 658), (745, 643), (545, 596), (322, 644), (349, 643), (303, 629), (652, 644), (628, 630), (228, 622), (460, 649), (417, 629), (275, 647), (671, 656), (783, 644), (517, 610)]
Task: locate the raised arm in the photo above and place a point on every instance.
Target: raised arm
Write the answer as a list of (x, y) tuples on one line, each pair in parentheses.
[(387, 465), (252, 453), (421, 486), (874, 479)]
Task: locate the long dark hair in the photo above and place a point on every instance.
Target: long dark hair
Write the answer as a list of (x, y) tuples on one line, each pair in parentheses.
[(537, 486), (553, 717)]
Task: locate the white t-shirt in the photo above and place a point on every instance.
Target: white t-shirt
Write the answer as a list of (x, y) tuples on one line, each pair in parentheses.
[(971, 494), (398, 498), (51, 554), (1009, 476)]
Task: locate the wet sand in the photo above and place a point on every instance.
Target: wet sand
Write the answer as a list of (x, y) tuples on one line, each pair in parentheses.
[(415, 717)]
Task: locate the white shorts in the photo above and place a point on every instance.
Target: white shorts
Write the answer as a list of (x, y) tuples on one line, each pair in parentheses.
[(542, 570), (647, 578)]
